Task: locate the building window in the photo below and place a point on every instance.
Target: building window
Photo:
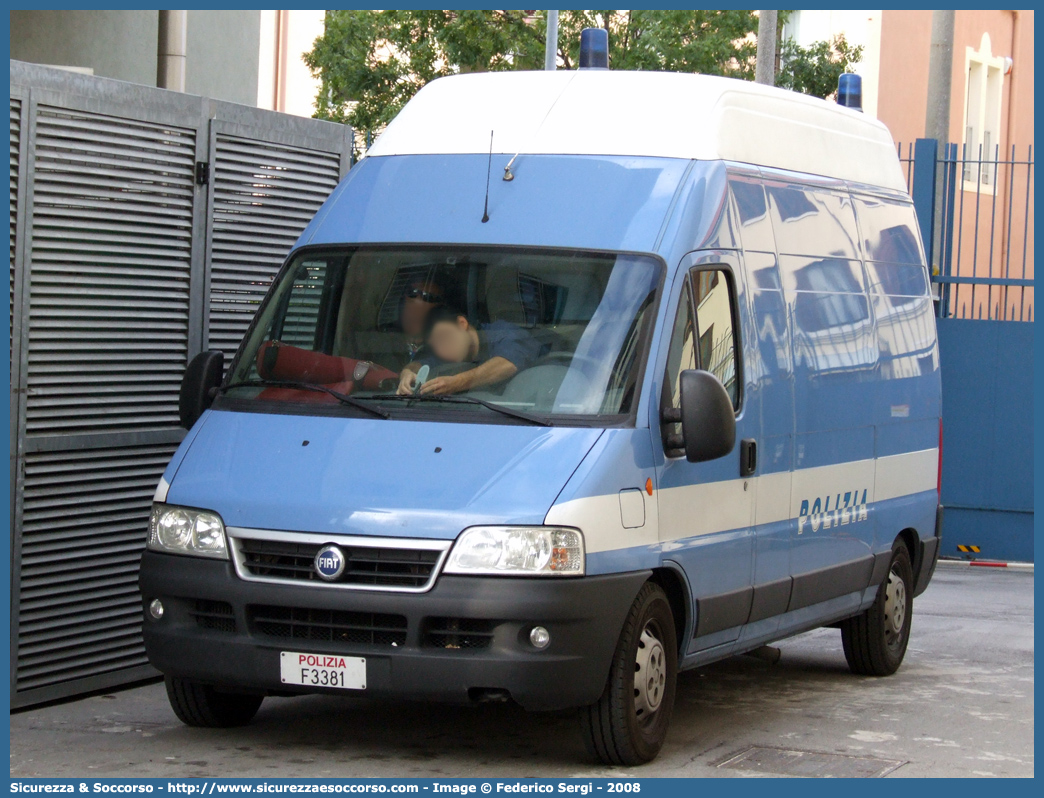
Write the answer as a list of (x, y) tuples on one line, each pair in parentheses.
[(984, 82)]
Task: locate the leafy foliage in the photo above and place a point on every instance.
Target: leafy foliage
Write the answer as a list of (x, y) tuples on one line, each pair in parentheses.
[(815, 69), (371, 63), (708, 42)]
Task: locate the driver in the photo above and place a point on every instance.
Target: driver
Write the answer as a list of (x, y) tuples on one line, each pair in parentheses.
[(499, 350), (418, 300)]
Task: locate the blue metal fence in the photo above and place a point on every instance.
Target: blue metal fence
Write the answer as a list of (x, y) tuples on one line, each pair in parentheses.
[(976, 217), (976, 212)]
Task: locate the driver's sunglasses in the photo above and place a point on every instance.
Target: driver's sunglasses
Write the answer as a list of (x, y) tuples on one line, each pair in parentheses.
[(425, 296)]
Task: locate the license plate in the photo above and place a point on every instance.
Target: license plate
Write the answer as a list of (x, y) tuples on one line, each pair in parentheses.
[(322, 670)]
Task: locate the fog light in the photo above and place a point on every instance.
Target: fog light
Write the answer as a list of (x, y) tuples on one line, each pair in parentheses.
[(539, 637), (156, 609)]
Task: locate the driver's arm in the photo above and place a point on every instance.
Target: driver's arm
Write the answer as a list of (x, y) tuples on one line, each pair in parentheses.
[(496, 369)]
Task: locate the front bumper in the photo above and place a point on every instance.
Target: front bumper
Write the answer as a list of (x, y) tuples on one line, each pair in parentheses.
[(218, 629)]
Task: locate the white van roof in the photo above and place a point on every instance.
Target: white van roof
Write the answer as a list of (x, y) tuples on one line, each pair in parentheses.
[(660, 114)]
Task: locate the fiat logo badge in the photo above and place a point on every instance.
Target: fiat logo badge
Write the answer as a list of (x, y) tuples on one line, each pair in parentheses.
[(330, 563)]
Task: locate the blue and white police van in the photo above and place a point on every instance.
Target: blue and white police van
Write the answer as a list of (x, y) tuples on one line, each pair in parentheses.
[(577, 380)]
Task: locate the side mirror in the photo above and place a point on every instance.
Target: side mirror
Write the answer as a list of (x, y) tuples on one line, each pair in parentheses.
[(202, 375), (707, 417)]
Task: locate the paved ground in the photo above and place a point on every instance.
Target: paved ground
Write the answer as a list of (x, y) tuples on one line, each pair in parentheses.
[(961, 705)]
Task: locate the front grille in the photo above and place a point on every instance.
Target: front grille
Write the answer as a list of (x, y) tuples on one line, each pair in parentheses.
[(334, 626), (459, 632), (214, 615), (382, 567)]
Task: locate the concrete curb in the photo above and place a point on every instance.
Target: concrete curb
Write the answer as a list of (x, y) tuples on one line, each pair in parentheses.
[(1020, 566)]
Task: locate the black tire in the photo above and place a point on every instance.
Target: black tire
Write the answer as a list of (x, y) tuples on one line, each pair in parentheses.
[(623, 727), (873, 645), (198, 704)]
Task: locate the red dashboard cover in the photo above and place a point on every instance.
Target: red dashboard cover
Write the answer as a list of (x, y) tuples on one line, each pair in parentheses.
[(279, 361)]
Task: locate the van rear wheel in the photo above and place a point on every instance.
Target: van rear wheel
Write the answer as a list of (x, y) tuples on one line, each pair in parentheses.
[(198, 704), (628, 724), (875, 640)]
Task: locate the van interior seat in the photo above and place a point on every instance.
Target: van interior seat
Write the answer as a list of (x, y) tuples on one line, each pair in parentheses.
[(503, 301), (538, 388), (535, 387)]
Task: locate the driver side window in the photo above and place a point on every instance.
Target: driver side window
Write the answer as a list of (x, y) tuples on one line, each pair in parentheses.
[(682, 354), (716, 325), (703, 337)]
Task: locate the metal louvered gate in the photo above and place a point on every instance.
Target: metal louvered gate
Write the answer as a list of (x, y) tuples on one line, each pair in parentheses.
[(146, 225), (264, 193)]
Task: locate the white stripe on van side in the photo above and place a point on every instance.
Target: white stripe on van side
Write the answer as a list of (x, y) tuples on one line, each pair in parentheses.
[(903, 474), (774, 497), (161, 491), (695, 510), (826, 489), (598, 517)]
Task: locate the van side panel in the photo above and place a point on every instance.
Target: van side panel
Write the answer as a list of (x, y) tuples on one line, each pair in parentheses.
[(840, 368), (770, 367), (906, 417), (834, 350)]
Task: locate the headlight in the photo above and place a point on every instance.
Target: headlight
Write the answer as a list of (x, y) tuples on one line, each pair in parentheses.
[(182, 530), (518, 551)]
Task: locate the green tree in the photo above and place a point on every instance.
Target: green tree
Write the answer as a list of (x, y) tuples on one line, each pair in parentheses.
[(815, 69), (370, 63), (707, 42)]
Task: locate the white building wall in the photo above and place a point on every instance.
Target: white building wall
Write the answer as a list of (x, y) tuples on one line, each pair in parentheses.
[(861, 28), (284, 82), (244, 56)]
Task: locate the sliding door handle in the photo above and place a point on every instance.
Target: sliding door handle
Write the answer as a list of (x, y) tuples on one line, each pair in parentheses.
[(748, 457)]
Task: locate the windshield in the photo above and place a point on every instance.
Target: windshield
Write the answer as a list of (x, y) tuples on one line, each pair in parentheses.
[(538, 333)]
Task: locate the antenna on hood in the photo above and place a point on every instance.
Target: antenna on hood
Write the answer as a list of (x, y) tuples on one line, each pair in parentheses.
[(489, 167)]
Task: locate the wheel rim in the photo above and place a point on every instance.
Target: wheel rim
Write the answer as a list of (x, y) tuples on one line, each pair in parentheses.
[(895, 605), (650, 673)]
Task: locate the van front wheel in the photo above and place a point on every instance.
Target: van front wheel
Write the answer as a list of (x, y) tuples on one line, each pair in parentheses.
[(628, 724), (198, 704), (875, 640)]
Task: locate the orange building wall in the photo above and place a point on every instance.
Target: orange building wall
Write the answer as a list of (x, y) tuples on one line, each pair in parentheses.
[(1002, 216), (905, 47), (903, 83)]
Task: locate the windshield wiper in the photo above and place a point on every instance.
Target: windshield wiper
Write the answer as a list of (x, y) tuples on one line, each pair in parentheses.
[(467, 400), (308, 386)]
